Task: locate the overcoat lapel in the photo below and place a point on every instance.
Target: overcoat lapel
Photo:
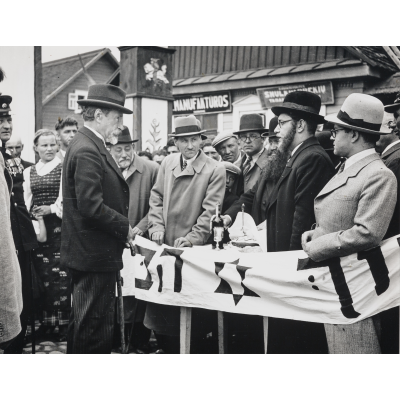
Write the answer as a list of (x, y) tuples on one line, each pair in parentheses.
[(100, 145), (341, 179), (391, 151), (196, 166), (136, 165)]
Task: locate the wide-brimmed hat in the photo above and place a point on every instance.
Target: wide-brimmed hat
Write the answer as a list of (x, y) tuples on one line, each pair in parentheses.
[(125, 137), (306, 104), (271, 129), (361, 112), (222, 137), (188, 126), (107, 96), (231, 168), (5, 102), (251, 123), (391, 108)]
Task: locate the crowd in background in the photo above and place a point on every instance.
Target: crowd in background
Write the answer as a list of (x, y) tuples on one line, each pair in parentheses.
[(279, 172)]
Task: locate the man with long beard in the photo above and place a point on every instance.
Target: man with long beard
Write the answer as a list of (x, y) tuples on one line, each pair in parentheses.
[(284, 197)]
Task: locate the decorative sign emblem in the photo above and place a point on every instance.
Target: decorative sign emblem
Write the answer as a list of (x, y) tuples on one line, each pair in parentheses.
[(155, 71), (4, 105)]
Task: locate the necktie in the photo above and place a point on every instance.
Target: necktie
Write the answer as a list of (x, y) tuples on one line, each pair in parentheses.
[(184, 164), (247, 165), (341, 168)]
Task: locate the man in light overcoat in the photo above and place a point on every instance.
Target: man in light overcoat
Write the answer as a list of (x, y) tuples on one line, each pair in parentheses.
[(353, 211)]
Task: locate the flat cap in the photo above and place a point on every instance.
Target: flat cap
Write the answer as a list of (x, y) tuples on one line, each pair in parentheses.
[(231, 168), (221, 137)]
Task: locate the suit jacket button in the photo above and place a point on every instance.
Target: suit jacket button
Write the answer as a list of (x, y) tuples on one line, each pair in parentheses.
[(12, 193), (338, 248), (15, 204), (264, 203), (127, 207)]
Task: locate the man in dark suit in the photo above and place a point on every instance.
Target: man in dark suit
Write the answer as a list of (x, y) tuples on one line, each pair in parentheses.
[(95, 225), (301, 168), (21, 224)]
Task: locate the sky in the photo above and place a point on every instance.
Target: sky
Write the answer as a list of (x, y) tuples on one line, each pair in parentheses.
[(51, 53)]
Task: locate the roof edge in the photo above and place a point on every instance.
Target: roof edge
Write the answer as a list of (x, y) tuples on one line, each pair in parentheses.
[(70, 58)]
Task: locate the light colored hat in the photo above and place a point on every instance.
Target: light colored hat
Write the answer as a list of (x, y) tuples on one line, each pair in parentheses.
[(187, 126), (231, 168), (221, 137), (361, 112)]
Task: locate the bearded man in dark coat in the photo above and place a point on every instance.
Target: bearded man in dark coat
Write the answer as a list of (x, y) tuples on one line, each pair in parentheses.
[(284, 196)]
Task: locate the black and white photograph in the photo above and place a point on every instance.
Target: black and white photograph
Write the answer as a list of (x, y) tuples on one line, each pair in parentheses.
[(203, 200)]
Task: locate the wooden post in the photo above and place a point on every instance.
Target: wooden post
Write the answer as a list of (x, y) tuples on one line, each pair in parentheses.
[(185, 330), (265, 329), (222, 334)]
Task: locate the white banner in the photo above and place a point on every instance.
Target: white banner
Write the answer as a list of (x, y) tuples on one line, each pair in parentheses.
[(284, 284)]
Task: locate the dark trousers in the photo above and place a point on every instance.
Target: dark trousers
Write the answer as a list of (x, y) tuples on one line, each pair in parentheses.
[(91, 323), (17, 344)]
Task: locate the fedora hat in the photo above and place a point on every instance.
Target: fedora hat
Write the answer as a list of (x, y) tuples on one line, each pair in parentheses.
[(125, 136), (391, 108), (222, 137), (306, 104), (361, 112), (271, 129), (251, 123), (188, 126), (107, 96)]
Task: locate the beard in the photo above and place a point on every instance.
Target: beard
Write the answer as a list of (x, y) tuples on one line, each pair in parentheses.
[(278, 158)]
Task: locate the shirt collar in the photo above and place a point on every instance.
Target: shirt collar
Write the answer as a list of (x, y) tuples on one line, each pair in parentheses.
[(96, 133), (295, 149), (255, 157), (190, 160), (62, 152), (357, 157), (50, 165), (390, 146)]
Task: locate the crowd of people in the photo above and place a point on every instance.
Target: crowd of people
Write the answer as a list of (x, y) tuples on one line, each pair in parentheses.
[(68, 218)]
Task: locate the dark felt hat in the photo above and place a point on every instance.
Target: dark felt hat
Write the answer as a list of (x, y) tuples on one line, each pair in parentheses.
[(391, 108), (5, 109), (107, 96), (251, 123), (306, 104), (125, 136), (188, 126), (272, 125)]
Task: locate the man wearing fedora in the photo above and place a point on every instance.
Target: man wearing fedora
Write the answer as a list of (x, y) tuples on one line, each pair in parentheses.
[(348, 210), (189, 185), (250, 130), (284, 197), (140, 175), (389, 147), (95, 224)]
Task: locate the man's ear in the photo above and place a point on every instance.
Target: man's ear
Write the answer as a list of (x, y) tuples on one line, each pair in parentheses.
[(355, 136), (98, 115)]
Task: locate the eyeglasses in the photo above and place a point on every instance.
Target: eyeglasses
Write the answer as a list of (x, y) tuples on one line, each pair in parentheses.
[(333, 132), (280, 123), (251, 137)]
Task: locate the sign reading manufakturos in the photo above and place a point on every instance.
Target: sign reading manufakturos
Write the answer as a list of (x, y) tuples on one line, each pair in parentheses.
[(285, 284), (273, 96), (216, 102)]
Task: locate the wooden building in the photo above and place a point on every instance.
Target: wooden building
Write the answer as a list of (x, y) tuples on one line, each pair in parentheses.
[(64, 81), (247, 79)]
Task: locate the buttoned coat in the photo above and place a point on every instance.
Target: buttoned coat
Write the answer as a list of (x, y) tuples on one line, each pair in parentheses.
[(392, 160), (95, 221), (353, 210), (10, 275), (290, 205), (141, 177), (183, 202), (251, 178)]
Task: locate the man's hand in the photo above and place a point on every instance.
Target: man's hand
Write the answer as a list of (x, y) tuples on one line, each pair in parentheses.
[(158, 237), (42, 210), (306, 237), (131, 235), (182, 242), (226, 219), (137, 231)]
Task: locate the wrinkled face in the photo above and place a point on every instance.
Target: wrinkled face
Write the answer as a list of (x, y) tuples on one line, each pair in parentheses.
[(6, 128), (172, 150), (341, 142), (46, 147), (158, 158), (123, 154), (188, 145), (209, 151), (230, 180), (66, 135), (229, 150), (252, 142), (111, 126), (14, 148)]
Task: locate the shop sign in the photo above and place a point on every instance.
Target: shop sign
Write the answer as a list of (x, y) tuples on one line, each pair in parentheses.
[(273, 96), (217, 102)]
